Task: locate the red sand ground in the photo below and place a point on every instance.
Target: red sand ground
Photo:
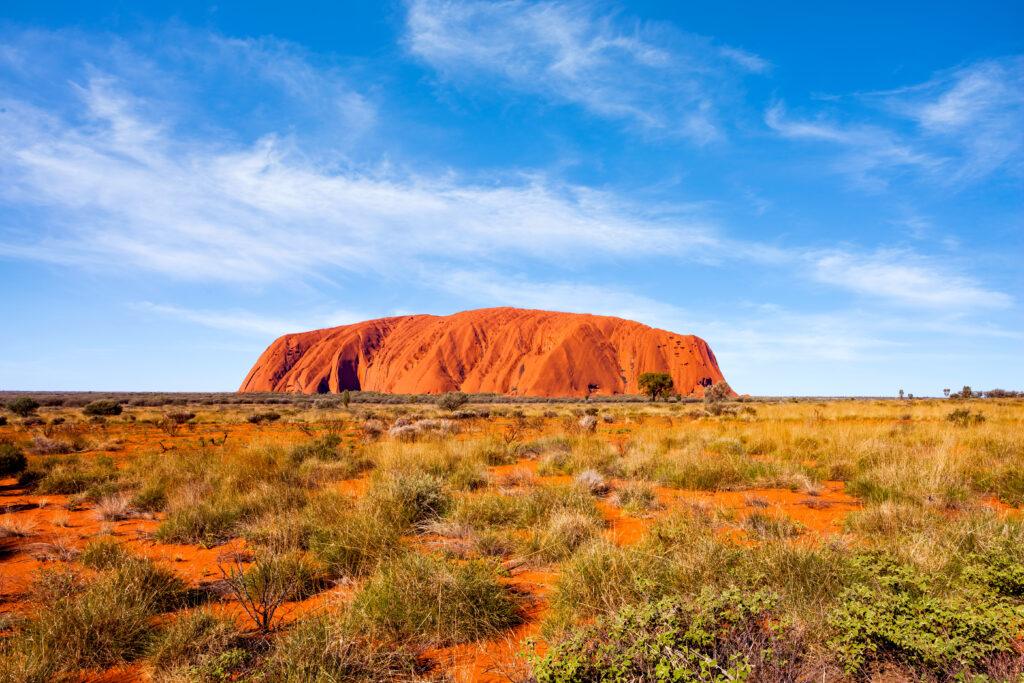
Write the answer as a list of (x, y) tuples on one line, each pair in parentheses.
[(503, 350)]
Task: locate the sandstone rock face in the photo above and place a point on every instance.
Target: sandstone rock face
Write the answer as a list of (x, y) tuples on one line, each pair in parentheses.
[(500, 350)]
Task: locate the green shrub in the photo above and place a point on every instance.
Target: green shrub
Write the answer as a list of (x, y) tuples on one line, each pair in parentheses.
[(427, 599), (1001, 569), (564, 533), (452, 401), (899, 615), (354, 545), (206, 522), (963, 417), (23, 406), (719, 637), (103, 407), (764, 525), (12, 460)]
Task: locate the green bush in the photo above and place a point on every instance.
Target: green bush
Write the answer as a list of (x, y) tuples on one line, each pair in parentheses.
[(655, 384), (452, 400), (1000, 569), (898, 615), (963, 417), (718, 637), (103, 407), (12, 460), (427, 599), (259, 418), (23, 406)]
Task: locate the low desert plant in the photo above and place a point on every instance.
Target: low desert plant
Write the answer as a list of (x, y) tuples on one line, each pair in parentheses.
[(406, 499), (270, 581), (426, 599), (23, 406), (105, 622), (717, 637), (189, 642), (260, 418), (104, 407), (898, 615), (963, 417), (592, 482), (12, 459), (326, 649), (637, 497), (561, 536), (452, 401)]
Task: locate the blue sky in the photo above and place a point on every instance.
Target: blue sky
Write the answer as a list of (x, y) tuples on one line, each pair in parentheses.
[(830, 196)]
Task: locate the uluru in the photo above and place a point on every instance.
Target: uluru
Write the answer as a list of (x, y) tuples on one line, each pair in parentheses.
[(495, 350)]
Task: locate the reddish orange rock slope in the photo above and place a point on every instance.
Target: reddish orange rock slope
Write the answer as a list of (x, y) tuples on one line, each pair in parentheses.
[(501, 350)]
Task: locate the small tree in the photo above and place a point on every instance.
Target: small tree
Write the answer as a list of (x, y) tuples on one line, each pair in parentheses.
[(23, 406), (901, 393), (655, 384), (452, 400), (946, 392), (346, 398)]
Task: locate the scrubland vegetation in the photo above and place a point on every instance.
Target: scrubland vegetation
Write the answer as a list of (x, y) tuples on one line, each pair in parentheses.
[(758, 540)]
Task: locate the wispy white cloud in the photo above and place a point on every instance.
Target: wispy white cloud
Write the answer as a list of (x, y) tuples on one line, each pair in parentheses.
[(873, 154), (904, 278), (979, 109), (114, 183), (247, 323), (122, 188), (962, 126), (652, 76)]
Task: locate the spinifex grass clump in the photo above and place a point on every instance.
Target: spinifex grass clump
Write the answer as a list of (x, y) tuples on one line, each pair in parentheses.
[(94, 624), (429, 600), (326, 648), (68, 474), (192, 645)]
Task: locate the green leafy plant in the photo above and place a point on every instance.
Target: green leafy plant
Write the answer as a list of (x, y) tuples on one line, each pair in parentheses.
[(726, 636), (898, 615)]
